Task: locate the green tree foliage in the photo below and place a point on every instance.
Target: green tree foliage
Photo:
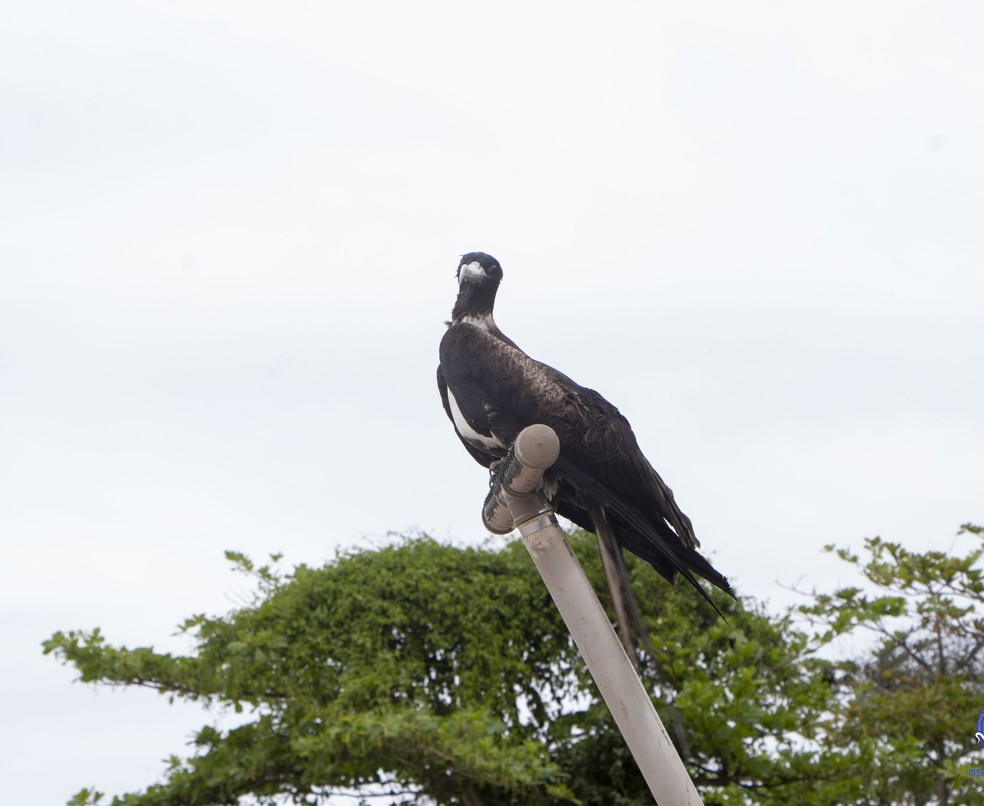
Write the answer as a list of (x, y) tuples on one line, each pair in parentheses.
[(445, 675), (914, 696)]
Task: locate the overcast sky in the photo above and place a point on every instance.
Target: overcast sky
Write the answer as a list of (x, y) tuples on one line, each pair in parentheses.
[(228, 237)]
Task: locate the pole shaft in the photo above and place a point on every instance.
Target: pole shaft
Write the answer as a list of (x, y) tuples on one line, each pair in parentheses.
[(610, 667)]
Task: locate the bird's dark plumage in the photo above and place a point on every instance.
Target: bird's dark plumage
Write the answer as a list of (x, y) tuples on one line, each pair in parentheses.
[(491, 390)]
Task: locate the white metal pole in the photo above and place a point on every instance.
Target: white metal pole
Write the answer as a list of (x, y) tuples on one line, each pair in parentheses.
[(610, 667), (536, 450)]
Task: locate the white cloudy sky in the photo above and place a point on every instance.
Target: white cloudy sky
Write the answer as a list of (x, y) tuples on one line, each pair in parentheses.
[(228, 233)]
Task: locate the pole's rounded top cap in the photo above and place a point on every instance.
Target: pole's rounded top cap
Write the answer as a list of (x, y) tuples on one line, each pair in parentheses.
[(537, 447)]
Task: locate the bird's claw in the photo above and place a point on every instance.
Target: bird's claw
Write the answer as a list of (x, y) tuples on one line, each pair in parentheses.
[(492, 468)]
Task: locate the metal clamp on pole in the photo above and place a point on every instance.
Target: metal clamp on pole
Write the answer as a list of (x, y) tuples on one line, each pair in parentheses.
[(516, 501), (515, 497)]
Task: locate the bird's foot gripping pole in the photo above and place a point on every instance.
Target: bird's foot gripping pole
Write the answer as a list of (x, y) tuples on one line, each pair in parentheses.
[(516, 501)]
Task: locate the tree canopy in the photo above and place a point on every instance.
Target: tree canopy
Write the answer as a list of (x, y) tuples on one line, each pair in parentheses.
[(444, 675)]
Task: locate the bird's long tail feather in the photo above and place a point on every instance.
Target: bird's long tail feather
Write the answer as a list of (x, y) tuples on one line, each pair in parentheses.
[(631, 627)]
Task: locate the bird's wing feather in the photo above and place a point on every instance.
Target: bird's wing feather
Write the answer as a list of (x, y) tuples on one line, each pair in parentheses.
[(484, 458), (645, 536)]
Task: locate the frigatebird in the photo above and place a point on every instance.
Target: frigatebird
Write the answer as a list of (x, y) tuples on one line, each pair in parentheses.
[(602, 482)]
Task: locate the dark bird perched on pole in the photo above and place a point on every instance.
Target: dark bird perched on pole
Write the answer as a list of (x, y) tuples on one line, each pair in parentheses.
[(492, 390)]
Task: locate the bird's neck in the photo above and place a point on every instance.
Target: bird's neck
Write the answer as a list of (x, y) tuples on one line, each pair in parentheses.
[(475, 302), (482, 319)]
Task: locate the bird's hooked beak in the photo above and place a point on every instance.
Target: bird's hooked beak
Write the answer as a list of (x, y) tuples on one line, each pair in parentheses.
[(470, 271)]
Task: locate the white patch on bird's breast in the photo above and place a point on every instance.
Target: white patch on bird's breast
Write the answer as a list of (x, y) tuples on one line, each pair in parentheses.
[(466, 431), (482, 321)]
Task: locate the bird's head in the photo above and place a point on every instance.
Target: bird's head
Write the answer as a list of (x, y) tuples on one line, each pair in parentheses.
[(478, 280), (478, 267)]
